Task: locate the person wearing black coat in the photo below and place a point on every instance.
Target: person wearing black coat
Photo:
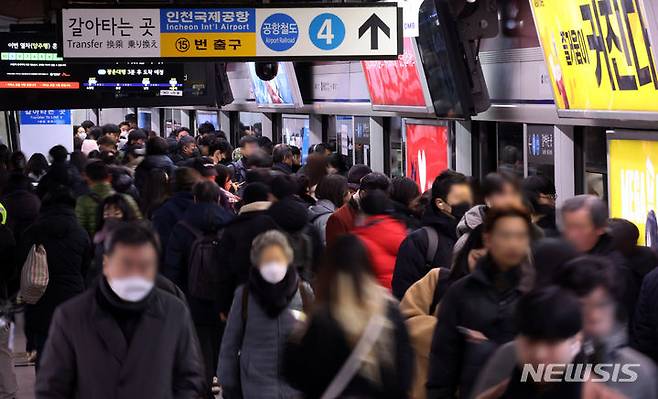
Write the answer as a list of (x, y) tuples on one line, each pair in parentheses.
[(235, 245), (124, 337), (61, 172), (205, 218), (172, 210), (451, 196), (21, 203), (156, 158), (68, 251), (644, 336), (476, 313)]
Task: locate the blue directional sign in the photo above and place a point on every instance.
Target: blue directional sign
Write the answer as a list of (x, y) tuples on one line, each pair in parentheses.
[(327, 31), (279, 32)]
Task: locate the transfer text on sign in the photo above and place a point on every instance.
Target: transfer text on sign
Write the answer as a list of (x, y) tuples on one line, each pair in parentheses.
[(347, 32)]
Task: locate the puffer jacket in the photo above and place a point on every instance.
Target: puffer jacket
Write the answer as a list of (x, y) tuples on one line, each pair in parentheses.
[(86, 208), (257, 371), (168, 214), (382, 236), (319, 214)]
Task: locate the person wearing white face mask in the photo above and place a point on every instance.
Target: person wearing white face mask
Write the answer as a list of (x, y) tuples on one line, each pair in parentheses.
[(123, 337), (264, 313)]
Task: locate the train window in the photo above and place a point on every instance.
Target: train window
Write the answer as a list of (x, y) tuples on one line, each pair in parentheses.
[(397, 148), (596, 164), (541, 150), (510, 148), (296, 131), (362, 140), (251, 123)]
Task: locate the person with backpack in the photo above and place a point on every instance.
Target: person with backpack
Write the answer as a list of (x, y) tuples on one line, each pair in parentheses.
[(235, 247), (191, 263), (99, 181), (355, 344), (432, 245), (291, 217), (68, 253), (264, 314)]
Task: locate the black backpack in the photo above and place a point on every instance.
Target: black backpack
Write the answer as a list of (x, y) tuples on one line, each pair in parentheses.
[(203, 269)]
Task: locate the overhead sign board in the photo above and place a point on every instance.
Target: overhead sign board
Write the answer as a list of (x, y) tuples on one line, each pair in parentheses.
[(600, 54), (352, 31)]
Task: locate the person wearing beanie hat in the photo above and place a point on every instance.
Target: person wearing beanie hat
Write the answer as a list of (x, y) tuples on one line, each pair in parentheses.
[(235, 245), (343, 220), (355, 175)]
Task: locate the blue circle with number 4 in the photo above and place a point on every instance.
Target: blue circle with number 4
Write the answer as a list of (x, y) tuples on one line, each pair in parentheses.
[(327, 31), (279, 32)]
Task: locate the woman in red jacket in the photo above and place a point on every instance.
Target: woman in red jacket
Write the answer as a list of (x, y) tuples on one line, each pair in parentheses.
[(381, 234)]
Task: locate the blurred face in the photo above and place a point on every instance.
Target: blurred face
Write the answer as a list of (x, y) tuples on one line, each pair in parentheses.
[(598, 313), (114, 135), (112, 211), (131, 261), (579, 230), (188, 149), (125, 129), (546, 199), (509, 242), (81, 130), (106, 147), (460, 194), (249, 149), (297, 159), (536, 352), (509, 196), (473, 256), (182, 133), (273, 264)]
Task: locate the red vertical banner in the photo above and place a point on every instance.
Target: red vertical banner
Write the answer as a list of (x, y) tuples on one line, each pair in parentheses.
[(427, 153)]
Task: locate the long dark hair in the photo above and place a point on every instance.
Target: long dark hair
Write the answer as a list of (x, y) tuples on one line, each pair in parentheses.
[(37, 165), (155, 191)]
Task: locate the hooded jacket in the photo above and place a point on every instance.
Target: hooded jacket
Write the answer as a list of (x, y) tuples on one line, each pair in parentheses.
[(484, 301), (382, 236), (411, 264), (319, 215), (68, 251), (208, 219), (472, 219)]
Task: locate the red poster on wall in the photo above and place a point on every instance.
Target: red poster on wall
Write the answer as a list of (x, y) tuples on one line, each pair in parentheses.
[(395, 82), (427, 153)]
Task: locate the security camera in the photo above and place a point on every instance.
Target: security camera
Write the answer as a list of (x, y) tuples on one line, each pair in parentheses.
[(267, 70)]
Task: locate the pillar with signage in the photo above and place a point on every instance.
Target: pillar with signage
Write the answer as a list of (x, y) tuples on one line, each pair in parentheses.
[(41, 130)]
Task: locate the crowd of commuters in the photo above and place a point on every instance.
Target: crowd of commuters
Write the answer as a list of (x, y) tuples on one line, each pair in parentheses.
[(181, 268)]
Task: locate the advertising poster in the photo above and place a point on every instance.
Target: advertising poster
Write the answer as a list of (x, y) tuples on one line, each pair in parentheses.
[(395, 82), (598, 54), (278, 91), (633, 186), (427, 153)]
